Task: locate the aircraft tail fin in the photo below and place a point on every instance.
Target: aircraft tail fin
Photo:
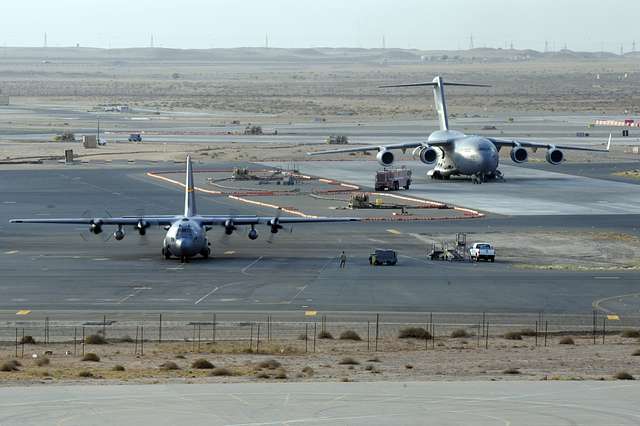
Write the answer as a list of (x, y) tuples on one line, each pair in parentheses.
[(438, 94), (189, 191)]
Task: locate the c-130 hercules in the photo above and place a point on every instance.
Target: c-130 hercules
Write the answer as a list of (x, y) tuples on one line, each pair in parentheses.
[(186, 235), (455, 153)]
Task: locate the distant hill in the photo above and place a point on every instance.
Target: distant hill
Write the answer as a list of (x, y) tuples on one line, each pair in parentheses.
[(310, 55)]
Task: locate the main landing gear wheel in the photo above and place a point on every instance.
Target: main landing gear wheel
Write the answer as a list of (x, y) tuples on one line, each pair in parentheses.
[(166, 253), (206, 253)]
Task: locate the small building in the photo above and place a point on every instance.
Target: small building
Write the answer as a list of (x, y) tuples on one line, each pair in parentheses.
[(89, 141)]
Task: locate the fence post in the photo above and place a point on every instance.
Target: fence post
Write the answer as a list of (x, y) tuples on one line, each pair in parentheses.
[(251, 338), (546, 328), (595, 314), (377, 330), (16, 342), (478, 336), (536, 334), (486, 336), (199, 328), (604, 319), (368, 336), (160, 329), (193, 338), (104, 326), (258, 340), (306, 337), (213, 328), (135, 345), (22, 344), (315, 333), (75, 338), (142, 340), (83, 340)]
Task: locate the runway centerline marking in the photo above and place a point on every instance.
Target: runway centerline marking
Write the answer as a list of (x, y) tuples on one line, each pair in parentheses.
[(11, 252), (246, 268)]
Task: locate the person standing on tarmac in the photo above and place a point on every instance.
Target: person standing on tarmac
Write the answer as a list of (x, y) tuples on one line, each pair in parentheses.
[(343, 260)]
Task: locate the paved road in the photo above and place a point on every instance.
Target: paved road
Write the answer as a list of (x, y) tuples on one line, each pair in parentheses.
[(510, 403)]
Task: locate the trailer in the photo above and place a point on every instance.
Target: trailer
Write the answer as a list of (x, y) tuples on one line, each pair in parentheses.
[(392, 179)]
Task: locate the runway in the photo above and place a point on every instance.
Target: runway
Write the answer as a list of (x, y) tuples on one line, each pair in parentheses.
[(54, 268), (513, 403)]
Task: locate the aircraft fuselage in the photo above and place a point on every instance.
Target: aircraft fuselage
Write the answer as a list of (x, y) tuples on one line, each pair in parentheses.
[(185, 238), (465, 155)]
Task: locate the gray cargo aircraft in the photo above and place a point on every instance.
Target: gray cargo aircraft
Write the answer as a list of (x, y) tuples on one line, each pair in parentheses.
[(186, 235), (455, 153)]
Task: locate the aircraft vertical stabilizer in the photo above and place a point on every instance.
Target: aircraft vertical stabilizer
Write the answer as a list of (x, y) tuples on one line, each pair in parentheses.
[(438, 94), (189, 191)]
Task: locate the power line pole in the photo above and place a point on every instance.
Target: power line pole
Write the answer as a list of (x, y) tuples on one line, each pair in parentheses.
[(266, 41), (546, 46), (45, 39), (471, 42), (384, 42), (633, 46), (621, 50), (151, 44)]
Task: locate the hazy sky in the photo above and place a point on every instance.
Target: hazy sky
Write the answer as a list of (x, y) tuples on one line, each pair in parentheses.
[(424, 24)]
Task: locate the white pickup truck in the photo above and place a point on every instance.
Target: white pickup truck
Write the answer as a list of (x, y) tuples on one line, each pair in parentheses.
[(483, 251)]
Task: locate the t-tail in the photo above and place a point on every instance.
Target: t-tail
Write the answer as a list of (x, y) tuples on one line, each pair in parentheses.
[(189, 191), (438, 94)]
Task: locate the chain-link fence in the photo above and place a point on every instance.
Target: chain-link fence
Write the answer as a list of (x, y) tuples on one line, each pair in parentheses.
[(305, 333)]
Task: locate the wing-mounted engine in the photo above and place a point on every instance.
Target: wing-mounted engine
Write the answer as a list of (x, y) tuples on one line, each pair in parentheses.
[(426, 154), (519, 154), (384, 157), (554, 156)]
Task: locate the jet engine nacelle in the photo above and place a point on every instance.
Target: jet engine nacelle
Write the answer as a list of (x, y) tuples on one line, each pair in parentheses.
[(253, 234), (118, 235), (555, 156), (384, 157), (229, 227), (519, 154), (426, 154)]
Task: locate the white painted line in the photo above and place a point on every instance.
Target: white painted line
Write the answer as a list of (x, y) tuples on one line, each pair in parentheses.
[(606, 278), (377, 241), (100, 258), (11, 252), (207, 295), (229, 252), (8, 202), (394, 231), (246, 268)]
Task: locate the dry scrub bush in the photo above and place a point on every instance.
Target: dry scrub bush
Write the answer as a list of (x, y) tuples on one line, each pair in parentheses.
[(95, 339), (630, 334), (41, 362), (169, 365), (567, 340), (269, 364), (459, 333), (348, 361), (202, 364), (513, 335), (118, 368), (91, 357), (350, 335), (414, 333), (511, 371), (325, 335), (623, 375)]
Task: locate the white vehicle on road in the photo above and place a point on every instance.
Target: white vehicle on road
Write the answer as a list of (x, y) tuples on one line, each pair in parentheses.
[(482, 251)]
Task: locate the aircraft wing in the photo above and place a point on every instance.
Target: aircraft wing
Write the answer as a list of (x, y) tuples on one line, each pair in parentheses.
[(403, 146), (525, 144), (269, 220), (127, 220)]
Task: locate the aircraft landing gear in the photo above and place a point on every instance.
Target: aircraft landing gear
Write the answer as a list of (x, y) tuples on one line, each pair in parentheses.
[(478, 178), (206, 252), (166, 253)]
